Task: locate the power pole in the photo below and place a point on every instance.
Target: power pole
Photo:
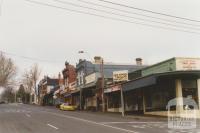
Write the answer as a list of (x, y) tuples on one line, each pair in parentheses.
[(122, 102), (102, 84), (15, 96)]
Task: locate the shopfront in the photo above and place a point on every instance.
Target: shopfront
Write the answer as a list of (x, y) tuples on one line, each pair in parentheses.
[(113, 98), (151, 94)]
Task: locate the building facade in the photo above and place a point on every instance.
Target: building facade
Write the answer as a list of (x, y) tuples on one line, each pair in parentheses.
[(150, 93)]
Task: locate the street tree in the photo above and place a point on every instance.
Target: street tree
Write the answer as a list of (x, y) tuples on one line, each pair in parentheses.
[(30, 78), (7, 71), (21, 93), (9, 94)]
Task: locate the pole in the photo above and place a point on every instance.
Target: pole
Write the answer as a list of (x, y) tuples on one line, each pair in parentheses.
[(80, 99), (102, 84), (122, 102), (15, 96)]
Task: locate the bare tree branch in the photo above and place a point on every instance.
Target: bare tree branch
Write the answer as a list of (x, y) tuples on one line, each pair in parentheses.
[(7, 71)]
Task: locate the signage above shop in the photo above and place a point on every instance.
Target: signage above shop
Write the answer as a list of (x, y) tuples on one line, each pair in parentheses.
[(188, 64), (113, 89), (120, 76), (91, 78)]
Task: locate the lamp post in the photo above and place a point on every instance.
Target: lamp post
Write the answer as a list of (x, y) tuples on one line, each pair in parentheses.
[(83, 52)]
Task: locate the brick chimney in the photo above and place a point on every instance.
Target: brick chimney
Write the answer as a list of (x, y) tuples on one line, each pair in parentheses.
[(97, 59), (59, 79), (139, 61)]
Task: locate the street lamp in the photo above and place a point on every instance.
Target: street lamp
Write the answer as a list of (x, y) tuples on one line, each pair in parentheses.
[(84, 52)]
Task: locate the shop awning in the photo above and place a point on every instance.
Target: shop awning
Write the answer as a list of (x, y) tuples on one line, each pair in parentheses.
[(139, 83), (67, 95), (75, 91), (152, 79), (112, 89)]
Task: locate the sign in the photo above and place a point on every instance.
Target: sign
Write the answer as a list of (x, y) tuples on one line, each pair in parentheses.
[(188, 64), (112, 89), (91, 78), (120, 76), (49, 88)]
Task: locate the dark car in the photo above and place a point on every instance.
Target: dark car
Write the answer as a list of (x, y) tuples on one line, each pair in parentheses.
[(2, 102)]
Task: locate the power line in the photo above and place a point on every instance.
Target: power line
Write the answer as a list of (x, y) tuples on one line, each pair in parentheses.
[(111, 18), (29, 58), (149, 11), (125, 11), (122, 15), (1, 6)]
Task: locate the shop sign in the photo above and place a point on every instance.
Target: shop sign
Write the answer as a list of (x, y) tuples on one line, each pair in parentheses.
[(49, 88), (91, 78), (112, 89), (188, 64), (120, 76)]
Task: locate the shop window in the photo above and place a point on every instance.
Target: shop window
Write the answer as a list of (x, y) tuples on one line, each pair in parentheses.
[(189, 90), (158, 96)]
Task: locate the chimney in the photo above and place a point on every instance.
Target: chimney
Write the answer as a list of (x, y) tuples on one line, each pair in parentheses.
[(80, 60), (59, 76), (139, 61), (97, 59)]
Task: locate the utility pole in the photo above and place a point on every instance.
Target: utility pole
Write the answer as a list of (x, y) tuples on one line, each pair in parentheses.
[(15, 96), (122, 102), (102, 84)]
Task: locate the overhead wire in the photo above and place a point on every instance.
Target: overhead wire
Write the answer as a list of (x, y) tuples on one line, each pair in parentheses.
[(111, 18), (139, 14), (122, 15), (149, 11), (29, 58)]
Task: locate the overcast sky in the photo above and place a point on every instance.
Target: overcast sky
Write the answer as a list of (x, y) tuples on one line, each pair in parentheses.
[(56, 35)]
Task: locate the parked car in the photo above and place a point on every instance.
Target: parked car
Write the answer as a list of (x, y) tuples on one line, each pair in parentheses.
[(68, 107), (58, 104), (2, 102)]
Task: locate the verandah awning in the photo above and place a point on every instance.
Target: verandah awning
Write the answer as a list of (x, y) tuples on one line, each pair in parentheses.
[(139, 83), (152, 79)]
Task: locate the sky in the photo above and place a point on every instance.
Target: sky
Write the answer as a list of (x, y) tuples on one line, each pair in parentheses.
[(55, 35)]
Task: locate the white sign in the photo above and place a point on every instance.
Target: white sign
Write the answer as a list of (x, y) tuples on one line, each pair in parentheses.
[(188, 64), (91, 78), (112, 89), (120, 76), (49, 88)]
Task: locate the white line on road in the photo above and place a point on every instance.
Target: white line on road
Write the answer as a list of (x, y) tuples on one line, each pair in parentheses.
[(28, 115), (92, 122), (130, 122), (52, 126)]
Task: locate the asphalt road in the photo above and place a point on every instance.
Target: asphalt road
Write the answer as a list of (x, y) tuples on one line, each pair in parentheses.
[(19, 118)]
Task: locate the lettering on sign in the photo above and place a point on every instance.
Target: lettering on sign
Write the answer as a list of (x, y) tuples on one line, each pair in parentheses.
[(120, 76), (188, 64)]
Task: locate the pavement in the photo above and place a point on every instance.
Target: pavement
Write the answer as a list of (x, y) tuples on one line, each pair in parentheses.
[(20, 118)]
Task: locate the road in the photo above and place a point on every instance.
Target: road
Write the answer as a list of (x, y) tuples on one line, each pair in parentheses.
[(20, 118)]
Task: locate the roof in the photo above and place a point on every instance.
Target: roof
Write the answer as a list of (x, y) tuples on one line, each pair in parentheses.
[(152, 79), (52, 82), (108, 67)]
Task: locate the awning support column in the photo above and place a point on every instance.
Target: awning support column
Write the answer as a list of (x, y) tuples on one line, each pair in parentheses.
[(122, 102), (198, 90), (179, 96)]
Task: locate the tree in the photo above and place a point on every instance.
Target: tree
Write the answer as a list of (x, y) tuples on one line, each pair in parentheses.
[(7, 71), (21, 93), (9, 94), (35, 74), (30, 79)]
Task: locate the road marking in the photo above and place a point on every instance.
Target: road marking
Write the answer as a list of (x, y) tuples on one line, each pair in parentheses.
[(92, 122), (28, 115), (52, 126), (130, 122)]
